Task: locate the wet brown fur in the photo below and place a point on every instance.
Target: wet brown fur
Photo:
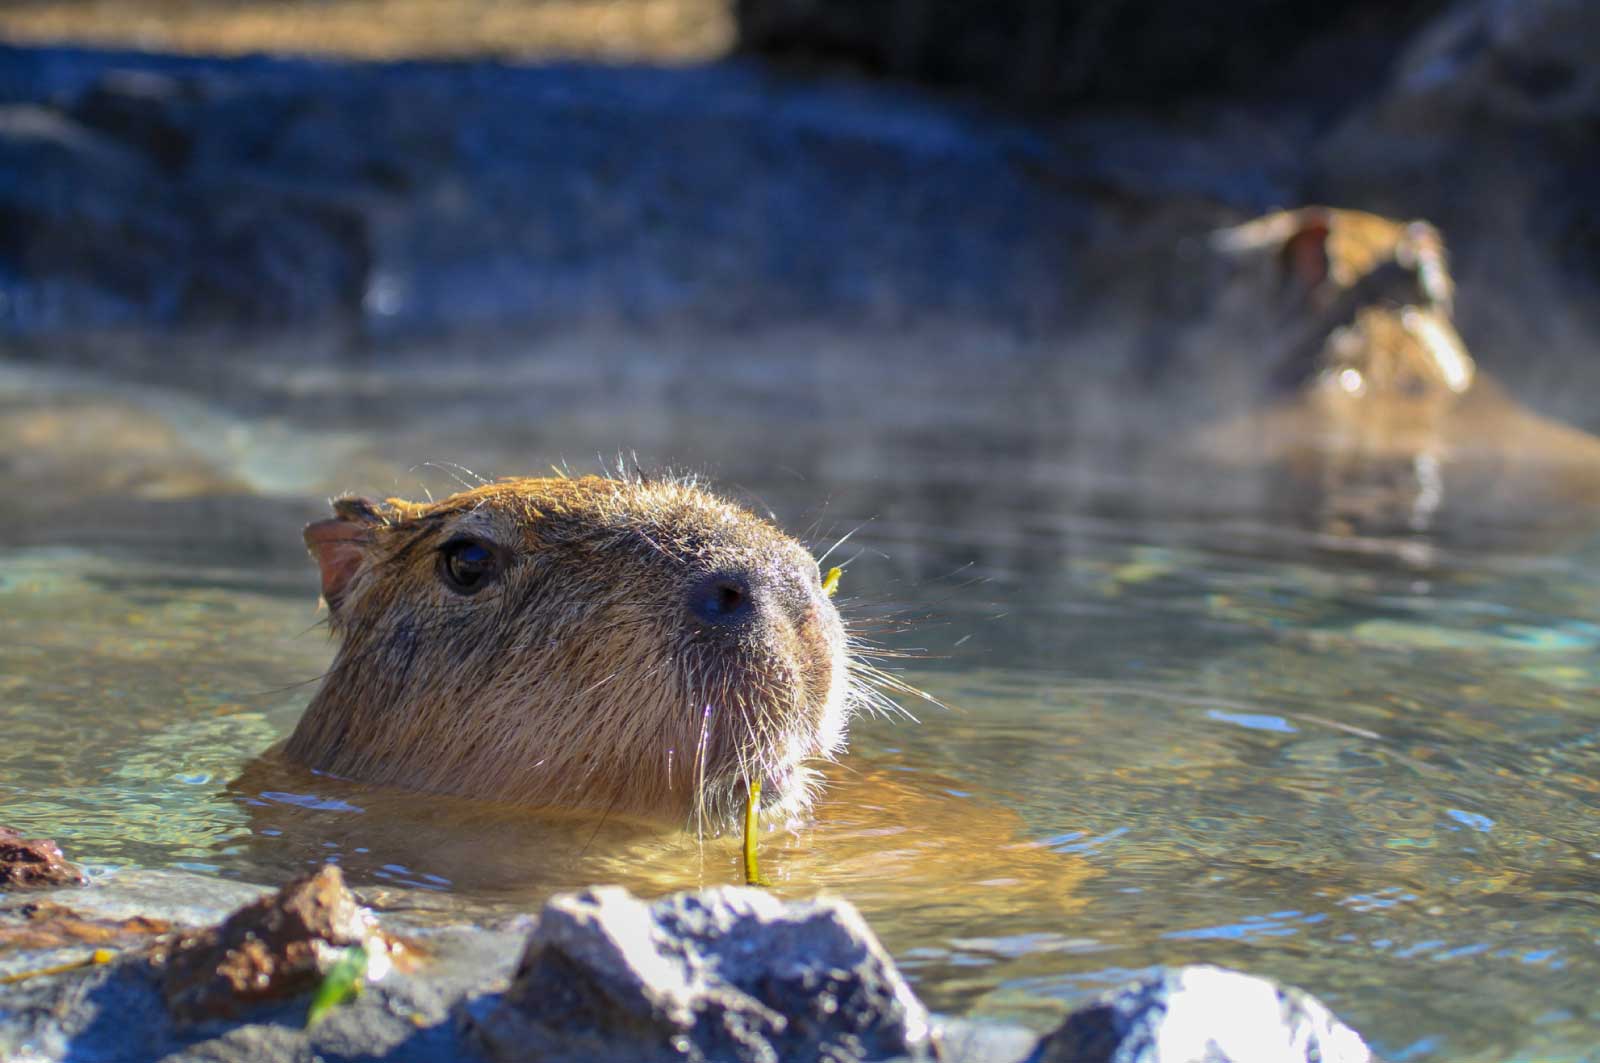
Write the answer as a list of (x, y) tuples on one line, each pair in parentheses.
[(1369, 302), (1383, 398), (578, 678)]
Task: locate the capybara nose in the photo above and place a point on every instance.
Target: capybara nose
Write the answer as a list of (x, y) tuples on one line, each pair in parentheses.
[(723, 600)]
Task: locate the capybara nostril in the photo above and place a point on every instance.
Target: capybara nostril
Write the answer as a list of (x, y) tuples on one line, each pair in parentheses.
[(723, 599)]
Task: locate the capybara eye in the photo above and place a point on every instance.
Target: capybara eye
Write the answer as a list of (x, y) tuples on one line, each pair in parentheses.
[(467, 565), (721, 598)]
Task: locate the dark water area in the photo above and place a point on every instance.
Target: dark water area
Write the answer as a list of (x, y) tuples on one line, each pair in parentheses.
[(1174, 723)]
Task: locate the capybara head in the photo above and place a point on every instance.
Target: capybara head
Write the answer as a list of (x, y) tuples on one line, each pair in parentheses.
[(1365, 303), (628, 645)]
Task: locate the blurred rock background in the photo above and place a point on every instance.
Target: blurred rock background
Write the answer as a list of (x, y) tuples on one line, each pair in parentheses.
[(365, 173)]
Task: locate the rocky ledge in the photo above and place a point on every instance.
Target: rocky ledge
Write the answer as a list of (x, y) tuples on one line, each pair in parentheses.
[(721, 974)]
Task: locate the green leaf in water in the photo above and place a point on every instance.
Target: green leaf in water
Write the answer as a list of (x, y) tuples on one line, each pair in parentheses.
[(341, 984)]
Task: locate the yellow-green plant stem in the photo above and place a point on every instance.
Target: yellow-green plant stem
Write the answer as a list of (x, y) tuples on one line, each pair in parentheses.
[(830, 582), (752, 835), (94, 959)]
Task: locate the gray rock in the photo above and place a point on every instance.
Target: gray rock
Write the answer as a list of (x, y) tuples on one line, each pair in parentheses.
[(728, 974), (1203, 1015), (724, 974)]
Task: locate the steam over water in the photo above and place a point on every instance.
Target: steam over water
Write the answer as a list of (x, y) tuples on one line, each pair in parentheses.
[(1180, 727)]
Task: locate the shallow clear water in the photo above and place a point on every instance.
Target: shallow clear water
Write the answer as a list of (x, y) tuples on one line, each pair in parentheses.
[(1369, 768)]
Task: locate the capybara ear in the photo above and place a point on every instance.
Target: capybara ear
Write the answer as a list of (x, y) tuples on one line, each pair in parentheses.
[(1305, 253), (1298, 239), (358, 510), (340, 543)]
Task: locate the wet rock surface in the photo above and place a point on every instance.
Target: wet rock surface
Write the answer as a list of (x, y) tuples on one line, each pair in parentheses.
[(721, 974), (725, 974), (276, 948), (33, 862), (1203, 1015)]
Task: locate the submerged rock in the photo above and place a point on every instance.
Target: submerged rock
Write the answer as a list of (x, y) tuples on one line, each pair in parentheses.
[(34, 862), (276, 947), (725, 974), (1203, 1015)]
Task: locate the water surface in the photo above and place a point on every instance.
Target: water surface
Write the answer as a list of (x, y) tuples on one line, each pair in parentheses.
[(1369, 768)]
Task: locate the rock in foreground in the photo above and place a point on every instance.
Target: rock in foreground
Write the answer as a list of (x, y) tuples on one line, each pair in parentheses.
[(725, 974), (1203, 1015), (281, 945), (34, 862)]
